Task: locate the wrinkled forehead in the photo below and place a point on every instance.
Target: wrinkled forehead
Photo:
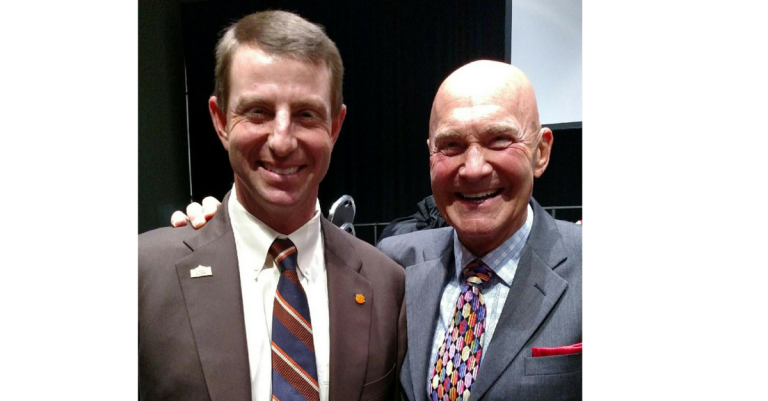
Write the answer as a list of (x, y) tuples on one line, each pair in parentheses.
[(473, 120), (471, 108)]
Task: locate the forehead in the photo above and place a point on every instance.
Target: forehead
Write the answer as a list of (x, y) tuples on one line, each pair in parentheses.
[(254, 69), (473, 115)]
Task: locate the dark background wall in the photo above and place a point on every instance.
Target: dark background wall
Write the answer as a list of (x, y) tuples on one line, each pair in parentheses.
[(163, 166), (395, 57)]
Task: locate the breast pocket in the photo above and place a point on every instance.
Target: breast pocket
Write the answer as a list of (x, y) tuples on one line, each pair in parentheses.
[(379, 388), (552, 365)]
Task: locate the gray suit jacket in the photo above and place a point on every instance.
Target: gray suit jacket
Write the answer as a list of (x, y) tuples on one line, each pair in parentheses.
[(192, 343), (543, 309)]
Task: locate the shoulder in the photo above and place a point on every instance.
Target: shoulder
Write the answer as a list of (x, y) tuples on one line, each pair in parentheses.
[(415, 247), (162, 238), (164, 234), (169, 243), (346, 246), (571, 236), (163, 247), (367, 251)]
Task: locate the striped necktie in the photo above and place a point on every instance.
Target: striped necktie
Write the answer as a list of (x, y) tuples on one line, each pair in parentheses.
[(294, 372), (458, 358)]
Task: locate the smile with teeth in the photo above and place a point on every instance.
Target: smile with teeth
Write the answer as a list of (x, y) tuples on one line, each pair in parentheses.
[(479, 196), (280, 171)]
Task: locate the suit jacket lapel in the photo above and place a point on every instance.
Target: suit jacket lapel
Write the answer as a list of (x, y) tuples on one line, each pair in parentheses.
[(424, 284), (350, 322), (215, 308), (535, 290)]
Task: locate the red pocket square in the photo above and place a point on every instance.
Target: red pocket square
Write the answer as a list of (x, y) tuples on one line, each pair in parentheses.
[(564, 350)]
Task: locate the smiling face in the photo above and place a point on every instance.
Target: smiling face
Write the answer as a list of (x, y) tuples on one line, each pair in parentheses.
[(485, 149), (279, 133)]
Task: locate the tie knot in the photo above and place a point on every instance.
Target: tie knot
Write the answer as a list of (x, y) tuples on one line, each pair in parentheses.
[(477, 273), (281, 249)]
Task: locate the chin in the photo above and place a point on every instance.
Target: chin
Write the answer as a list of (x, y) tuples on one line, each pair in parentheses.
[(476, 234), (477, 230), (283, 200)]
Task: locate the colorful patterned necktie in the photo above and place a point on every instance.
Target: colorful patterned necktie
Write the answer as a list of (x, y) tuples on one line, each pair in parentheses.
[(458, 358), (294, 372)]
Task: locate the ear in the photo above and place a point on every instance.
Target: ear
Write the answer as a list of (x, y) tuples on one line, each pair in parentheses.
[(543, 150), (337, 122), (219, 122)]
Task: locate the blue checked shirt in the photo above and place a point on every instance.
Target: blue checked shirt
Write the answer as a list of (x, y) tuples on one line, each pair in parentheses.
[(503, 260)]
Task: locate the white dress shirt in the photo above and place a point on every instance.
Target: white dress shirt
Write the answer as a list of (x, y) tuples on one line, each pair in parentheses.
[(258, 279), (503, 261)]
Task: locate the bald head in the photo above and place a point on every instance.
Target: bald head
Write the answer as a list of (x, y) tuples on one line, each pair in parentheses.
[(486, 146), (487, 81)]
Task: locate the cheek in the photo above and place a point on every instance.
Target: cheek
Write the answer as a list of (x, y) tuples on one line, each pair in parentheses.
[(241, 144), (440, 171), (320, 147), (517, 176), (515, 163), (246, 144)]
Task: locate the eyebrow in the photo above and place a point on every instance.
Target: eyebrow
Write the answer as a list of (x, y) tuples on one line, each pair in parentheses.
[(502, 129), (493, 129), (447, 134), (249, 100)]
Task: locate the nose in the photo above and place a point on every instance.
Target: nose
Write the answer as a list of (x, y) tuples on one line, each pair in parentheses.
[(281, 141), (475, 166)]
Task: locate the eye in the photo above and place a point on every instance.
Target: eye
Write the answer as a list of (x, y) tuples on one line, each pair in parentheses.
[(450, 148), (500, 142), (308, 114), (256, 111), (258, 114)]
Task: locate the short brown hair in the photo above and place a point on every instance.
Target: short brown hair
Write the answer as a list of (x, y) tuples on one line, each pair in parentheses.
[(278, 33)]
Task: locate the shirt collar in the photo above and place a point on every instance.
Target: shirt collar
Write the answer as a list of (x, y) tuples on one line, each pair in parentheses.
[(258, 237), (504, 259)]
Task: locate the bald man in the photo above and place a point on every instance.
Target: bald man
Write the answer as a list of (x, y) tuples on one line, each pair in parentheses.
[(517, 335)]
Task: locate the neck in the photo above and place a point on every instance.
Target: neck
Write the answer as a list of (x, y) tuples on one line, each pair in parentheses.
[(480, 246), (284, 220)]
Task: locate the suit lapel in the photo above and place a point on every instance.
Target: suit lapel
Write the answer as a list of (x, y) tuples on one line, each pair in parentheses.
[(535, 290), (424, 284), (215, 308), (350, 321)]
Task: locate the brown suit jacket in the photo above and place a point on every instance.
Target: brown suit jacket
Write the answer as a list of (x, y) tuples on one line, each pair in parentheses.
[(192, 343)]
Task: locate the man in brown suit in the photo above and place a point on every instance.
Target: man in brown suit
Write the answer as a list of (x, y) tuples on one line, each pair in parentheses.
[(206, 296)]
